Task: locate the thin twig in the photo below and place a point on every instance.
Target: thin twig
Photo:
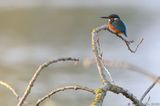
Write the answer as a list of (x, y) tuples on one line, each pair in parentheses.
[(148, 90), (74, 87), (36, 74), (128, 42), (107, 72), (99, 56), (121, 65), (10, 88), (147, 100)]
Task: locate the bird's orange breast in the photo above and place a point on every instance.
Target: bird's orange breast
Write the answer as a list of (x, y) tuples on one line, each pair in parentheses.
[(113, 29)]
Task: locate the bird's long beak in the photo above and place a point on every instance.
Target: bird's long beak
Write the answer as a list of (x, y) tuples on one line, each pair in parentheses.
[(104, 17)]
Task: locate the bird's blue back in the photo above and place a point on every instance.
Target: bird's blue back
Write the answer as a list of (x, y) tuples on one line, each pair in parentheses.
[(118, 24)]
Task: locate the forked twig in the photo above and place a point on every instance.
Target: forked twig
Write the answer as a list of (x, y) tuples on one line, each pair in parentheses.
[(127, 42)]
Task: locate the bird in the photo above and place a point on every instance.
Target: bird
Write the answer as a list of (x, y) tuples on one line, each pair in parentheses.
[(116, 25)]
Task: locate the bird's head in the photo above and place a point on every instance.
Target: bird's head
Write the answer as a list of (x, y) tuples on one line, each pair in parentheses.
[(111, 17)]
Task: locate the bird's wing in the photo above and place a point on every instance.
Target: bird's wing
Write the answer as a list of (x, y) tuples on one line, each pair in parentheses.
[(120, 26)]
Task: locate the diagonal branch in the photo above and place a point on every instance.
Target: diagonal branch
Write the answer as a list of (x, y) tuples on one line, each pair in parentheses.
[(74, 87), (148, 90), (36, 74), (13, 91), (10, 88)]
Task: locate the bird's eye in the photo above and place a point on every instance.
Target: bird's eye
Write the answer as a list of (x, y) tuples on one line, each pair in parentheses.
[(109, 20)]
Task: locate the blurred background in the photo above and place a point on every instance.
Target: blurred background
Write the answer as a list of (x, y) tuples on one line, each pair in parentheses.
[(35, 31)]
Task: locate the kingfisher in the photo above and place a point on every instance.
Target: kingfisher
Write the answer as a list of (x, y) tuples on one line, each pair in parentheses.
[(116, 25)]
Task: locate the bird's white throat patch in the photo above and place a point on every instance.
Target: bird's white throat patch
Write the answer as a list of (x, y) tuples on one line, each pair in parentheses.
[(115, 19)]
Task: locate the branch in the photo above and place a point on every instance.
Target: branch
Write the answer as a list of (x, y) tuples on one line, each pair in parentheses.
[(119, 90), (36, 74), (101, 93), (101, 67), (13, 91), (99, 97), (127, 42), (74, 87), (10, 88), (98, 54), (148, 90)]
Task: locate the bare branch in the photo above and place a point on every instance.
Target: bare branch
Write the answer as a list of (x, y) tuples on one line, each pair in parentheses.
[(99, 97), (101, 67), (98, 54), (10, 88), (127, 42), (13, 91), (147, 100), (148, 90), (36, 74), (101, 93), (119, 90), (74, 87)]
